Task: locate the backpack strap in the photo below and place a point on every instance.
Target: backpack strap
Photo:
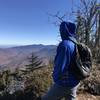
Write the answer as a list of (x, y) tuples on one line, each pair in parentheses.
[(77, 43), (73, 40)]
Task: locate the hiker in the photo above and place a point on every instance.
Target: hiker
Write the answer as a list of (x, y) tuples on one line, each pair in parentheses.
[(65, 83)]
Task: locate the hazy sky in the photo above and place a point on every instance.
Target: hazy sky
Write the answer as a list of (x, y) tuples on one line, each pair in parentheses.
[(27, 22)]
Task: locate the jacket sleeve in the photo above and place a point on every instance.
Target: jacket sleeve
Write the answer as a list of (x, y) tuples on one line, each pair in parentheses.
[(62, 58)]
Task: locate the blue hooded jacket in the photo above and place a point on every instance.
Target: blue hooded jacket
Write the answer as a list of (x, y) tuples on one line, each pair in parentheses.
[(65, 51)]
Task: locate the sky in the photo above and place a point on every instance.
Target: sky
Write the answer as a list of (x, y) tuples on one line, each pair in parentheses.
[(25, 22)]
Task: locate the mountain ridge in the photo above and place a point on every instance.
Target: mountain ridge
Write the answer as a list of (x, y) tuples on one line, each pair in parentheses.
[(17, 56)]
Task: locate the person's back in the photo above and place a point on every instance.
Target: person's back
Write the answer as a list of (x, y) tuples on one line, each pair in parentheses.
[(65, 84), (61, 73)]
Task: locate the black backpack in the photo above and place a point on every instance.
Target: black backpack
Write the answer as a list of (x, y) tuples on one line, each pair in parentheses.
[(81, 63)]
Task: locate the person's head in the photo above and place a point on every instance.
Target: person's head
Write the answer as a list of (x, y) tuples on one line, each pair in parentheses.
[(67, 29)]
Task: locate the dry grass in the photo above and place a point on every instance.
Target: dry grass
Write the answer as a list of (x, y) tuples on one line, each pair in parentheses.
[(87, 96), (43, 80)]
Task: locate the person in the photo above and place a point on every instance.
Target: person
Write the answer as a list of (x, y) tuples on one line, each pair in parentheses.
[(65, 84)]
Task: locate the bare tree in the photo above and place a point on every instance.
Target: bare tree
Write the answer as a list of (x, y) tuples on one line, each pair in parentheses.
[(86, 19)]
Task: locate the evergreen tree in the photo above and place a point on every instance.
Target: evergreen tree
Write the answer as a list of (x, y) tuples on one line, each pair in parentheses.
[(34, 63)]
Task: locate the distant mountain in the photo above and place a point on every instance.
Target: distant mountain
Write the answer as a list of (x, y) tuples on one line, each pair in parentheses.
[(17, 56), (7, 46)]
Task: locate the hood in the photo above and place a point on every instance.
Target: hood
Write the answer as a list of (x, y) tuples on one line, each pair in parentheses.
[(67, 29)]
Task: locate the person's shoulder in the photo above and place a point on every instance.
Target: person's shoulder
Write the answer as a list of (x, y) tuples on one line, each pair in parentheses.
[(66, 43), (62, 43)]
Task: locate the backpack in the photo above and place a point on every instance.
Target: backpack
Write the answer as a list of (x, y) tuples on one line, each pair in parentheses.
[(81, 63)]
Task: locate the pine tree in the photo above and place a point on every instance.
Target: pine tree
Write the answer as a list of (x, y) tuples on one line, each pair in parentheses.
[(34, 63)]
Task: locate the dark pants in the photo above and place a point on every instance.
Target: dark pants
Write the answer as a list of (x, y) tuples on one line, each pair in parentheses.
[(57, 92)]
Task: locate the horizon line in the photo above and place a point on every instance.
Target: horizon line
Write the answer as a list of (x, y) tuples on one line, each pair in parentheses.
[(25, 44)]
